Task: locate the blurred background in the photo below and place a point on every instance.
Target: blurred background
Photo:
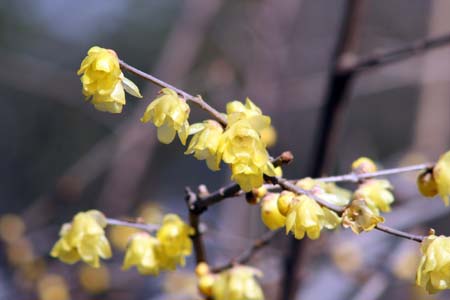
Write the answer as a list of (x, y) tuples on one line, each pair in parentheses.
[(60, 156)]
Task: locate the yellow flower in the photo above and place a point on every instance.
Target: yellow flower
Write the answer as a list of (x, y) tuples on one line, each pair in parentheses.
[(170, 114), (53, 287), (238, 283), (427, 184), (285, 202), (174, 237), (268, 136), (144, 252), (327, 191), (237, 111), (376, 193), (270, 214), (364, 165), (441, 174), (205, 143), (433, 272), (360, 217), (94, 281), (83, 239), (103, 81), (306, 216)]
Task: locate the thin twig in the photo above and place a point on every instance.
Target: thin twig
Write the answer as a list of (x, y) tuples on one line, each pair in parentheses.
[(247, 254), (197, 100), (390, 56), (399, 233), (147, 227), (354, 177)]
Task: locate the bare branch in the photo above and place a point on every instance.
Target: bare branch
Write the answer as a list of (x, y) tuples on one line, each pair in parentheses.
[(399, 233), (142, 226)]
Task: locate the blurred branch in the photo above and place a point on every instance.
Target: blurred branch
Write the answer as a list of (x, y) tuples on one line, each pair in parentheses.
[(399, 233), (399, 54), (247, 254), (137, 225)]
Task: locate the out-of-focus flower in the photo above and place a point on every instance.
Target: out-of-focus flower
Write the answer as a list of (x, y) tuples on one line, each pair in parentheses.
[(376, 193), (347, 256), (268, 136), (433, 273), (238, 283), (174, 237), (83, 239), (150, 212), (205, 279), (94, 280), (20, 252), (405, 263), (181, 285), (306, 216), (103, 81), (53, 287), (12, 228), (170, 114), (329, 192), (364, 165), (441, 174), (360, 217), (144, 252), (120, 236), (205, 143), (270, 214)]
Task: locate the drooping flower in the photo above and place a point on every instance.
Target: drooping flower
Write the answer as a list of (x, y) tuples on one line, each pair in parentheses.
[(205, 143), (305, 216), (433, 272), (83, 239), (144, 252), (360, 217), (170, 114), (103, 81), (174, 237), (376, 193), (238, 283), (237, 111), (441, 174), (270, 214)]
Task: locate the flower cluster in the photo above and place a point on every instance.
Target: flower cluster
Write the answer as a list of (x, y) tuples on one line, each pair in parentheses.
[(83, 239), (437, 180), (103, 81), (237, 283), (151, 254), (299, 213)]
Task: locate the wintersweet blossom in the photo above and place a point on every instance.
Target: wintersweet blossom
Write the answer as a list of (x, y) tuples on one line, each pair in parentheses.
[(441, 174), (360, 217), (170, 114), (144, 252), (238, 283), (103, 81), (83, 239), (270, 214), (433, 272), (377, 194)]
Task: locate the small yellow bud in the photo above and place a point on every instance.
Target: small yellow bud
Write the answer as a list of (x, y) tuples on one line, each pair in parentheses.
[(206, 283), (202, 269), (364, 165), (427, 185), (376, 193), (434, 268), (284, 202), (441, 174), (360, 217), (170, 114), (270, 214)]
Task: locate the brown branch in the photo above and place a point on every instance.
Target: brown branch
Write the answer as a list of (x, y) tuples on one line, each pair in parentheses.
[(247, 254), (197, 100), (391, 56), (354, 177), (194, 221), (142, 226), (399, 233)]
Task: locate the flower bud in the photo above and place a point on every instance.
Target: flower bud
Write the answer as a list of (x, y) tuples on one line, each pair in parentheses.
[(270, 214), (426, 184), (364, 165)]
